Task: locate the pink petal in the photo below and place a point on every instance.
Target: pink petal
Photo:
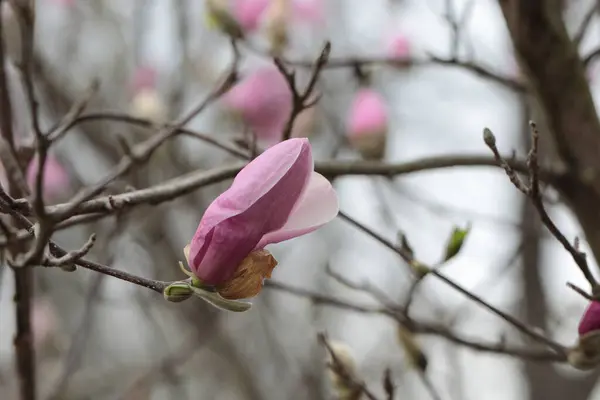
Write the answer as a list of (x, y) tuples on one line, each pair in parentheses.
[(144, 78), (248, 13), (308, 10), (56, 178), (368, 114), (317, 206), (399, 47), (591, 319), (264, 101), (259, 201)]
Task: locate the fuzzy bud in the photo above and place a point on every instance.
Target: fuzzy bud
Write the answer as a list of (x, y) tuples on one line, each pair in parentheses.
[(148, 104), (413, 351), (218, 15), (489, 138), (177, 292), (586, 354), (342, 371), (276, 25)]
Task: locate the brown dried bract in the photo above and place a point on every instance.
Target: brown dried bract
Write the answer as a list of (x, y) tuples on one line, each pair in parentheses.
[(248, 279)]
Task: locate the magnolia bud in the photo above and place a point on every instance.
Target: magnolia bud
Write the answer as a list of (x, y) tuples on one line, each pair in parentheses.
[(399, 49), (218, 15), (276, 22), (368, 124), (342, 371), (248, 13), (586, 354), (148, 104), (413, 351), (177, 292)]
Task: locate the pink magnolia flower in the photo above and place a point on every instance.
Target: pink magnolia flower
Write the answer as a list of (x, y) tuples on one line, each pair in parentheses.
[(276, 197), (399, 47), (250, 13), (591, 319), (264, 102), (144, 77), (56, 178), (367, 124)]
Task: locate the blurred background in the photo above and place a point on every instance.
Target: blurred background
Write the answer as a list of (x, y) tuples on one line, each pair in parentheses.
[(100, 338)]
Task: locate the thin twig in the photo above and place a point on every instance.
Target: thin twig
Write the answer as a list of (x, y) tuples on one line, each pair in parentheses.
[(301, 101), (407, 257), (532, 190)]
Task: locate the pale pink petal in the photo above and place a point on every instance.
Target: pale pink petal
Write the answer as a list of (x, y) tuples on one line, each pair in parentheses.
[(264, 101), (591, 319), (317, 206), (399, 47), (248, 13), (368, 114), (308, 10), (144, 78), (56, 178), (259, 201)]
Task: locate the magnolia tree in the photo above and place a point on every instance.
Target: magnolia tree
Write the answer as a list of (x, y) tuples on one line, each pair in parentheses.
[(210, 199)]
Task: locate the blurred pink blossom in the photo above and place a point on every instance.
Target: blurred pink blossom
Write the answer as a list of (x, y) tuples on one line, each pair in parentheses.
[(56, 178), (43, 320), (367, 124), (399, 47), (264, 101), (310, 11), (591, 319), (249, 13), (144, 78), (147, 103), (276, 197)]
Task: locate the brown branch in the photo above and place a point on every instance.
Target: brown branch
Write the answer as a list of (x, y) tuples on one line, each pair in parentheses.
[(408, 258), (532, 190), (417, 326), (142, 152), (301, 100), (558, 79), (167, 191), (23, 341), (124, 118)]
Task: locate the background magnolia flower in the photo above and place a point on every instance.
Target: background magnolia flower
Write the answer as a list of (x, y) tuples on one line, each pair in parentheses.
[(250, 14), (144, 77), (56, 177), (276, 197), (277, 17), (263, 100), (590, 321), (44, 321), (399, 47), (367, 124), (147, 103)]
